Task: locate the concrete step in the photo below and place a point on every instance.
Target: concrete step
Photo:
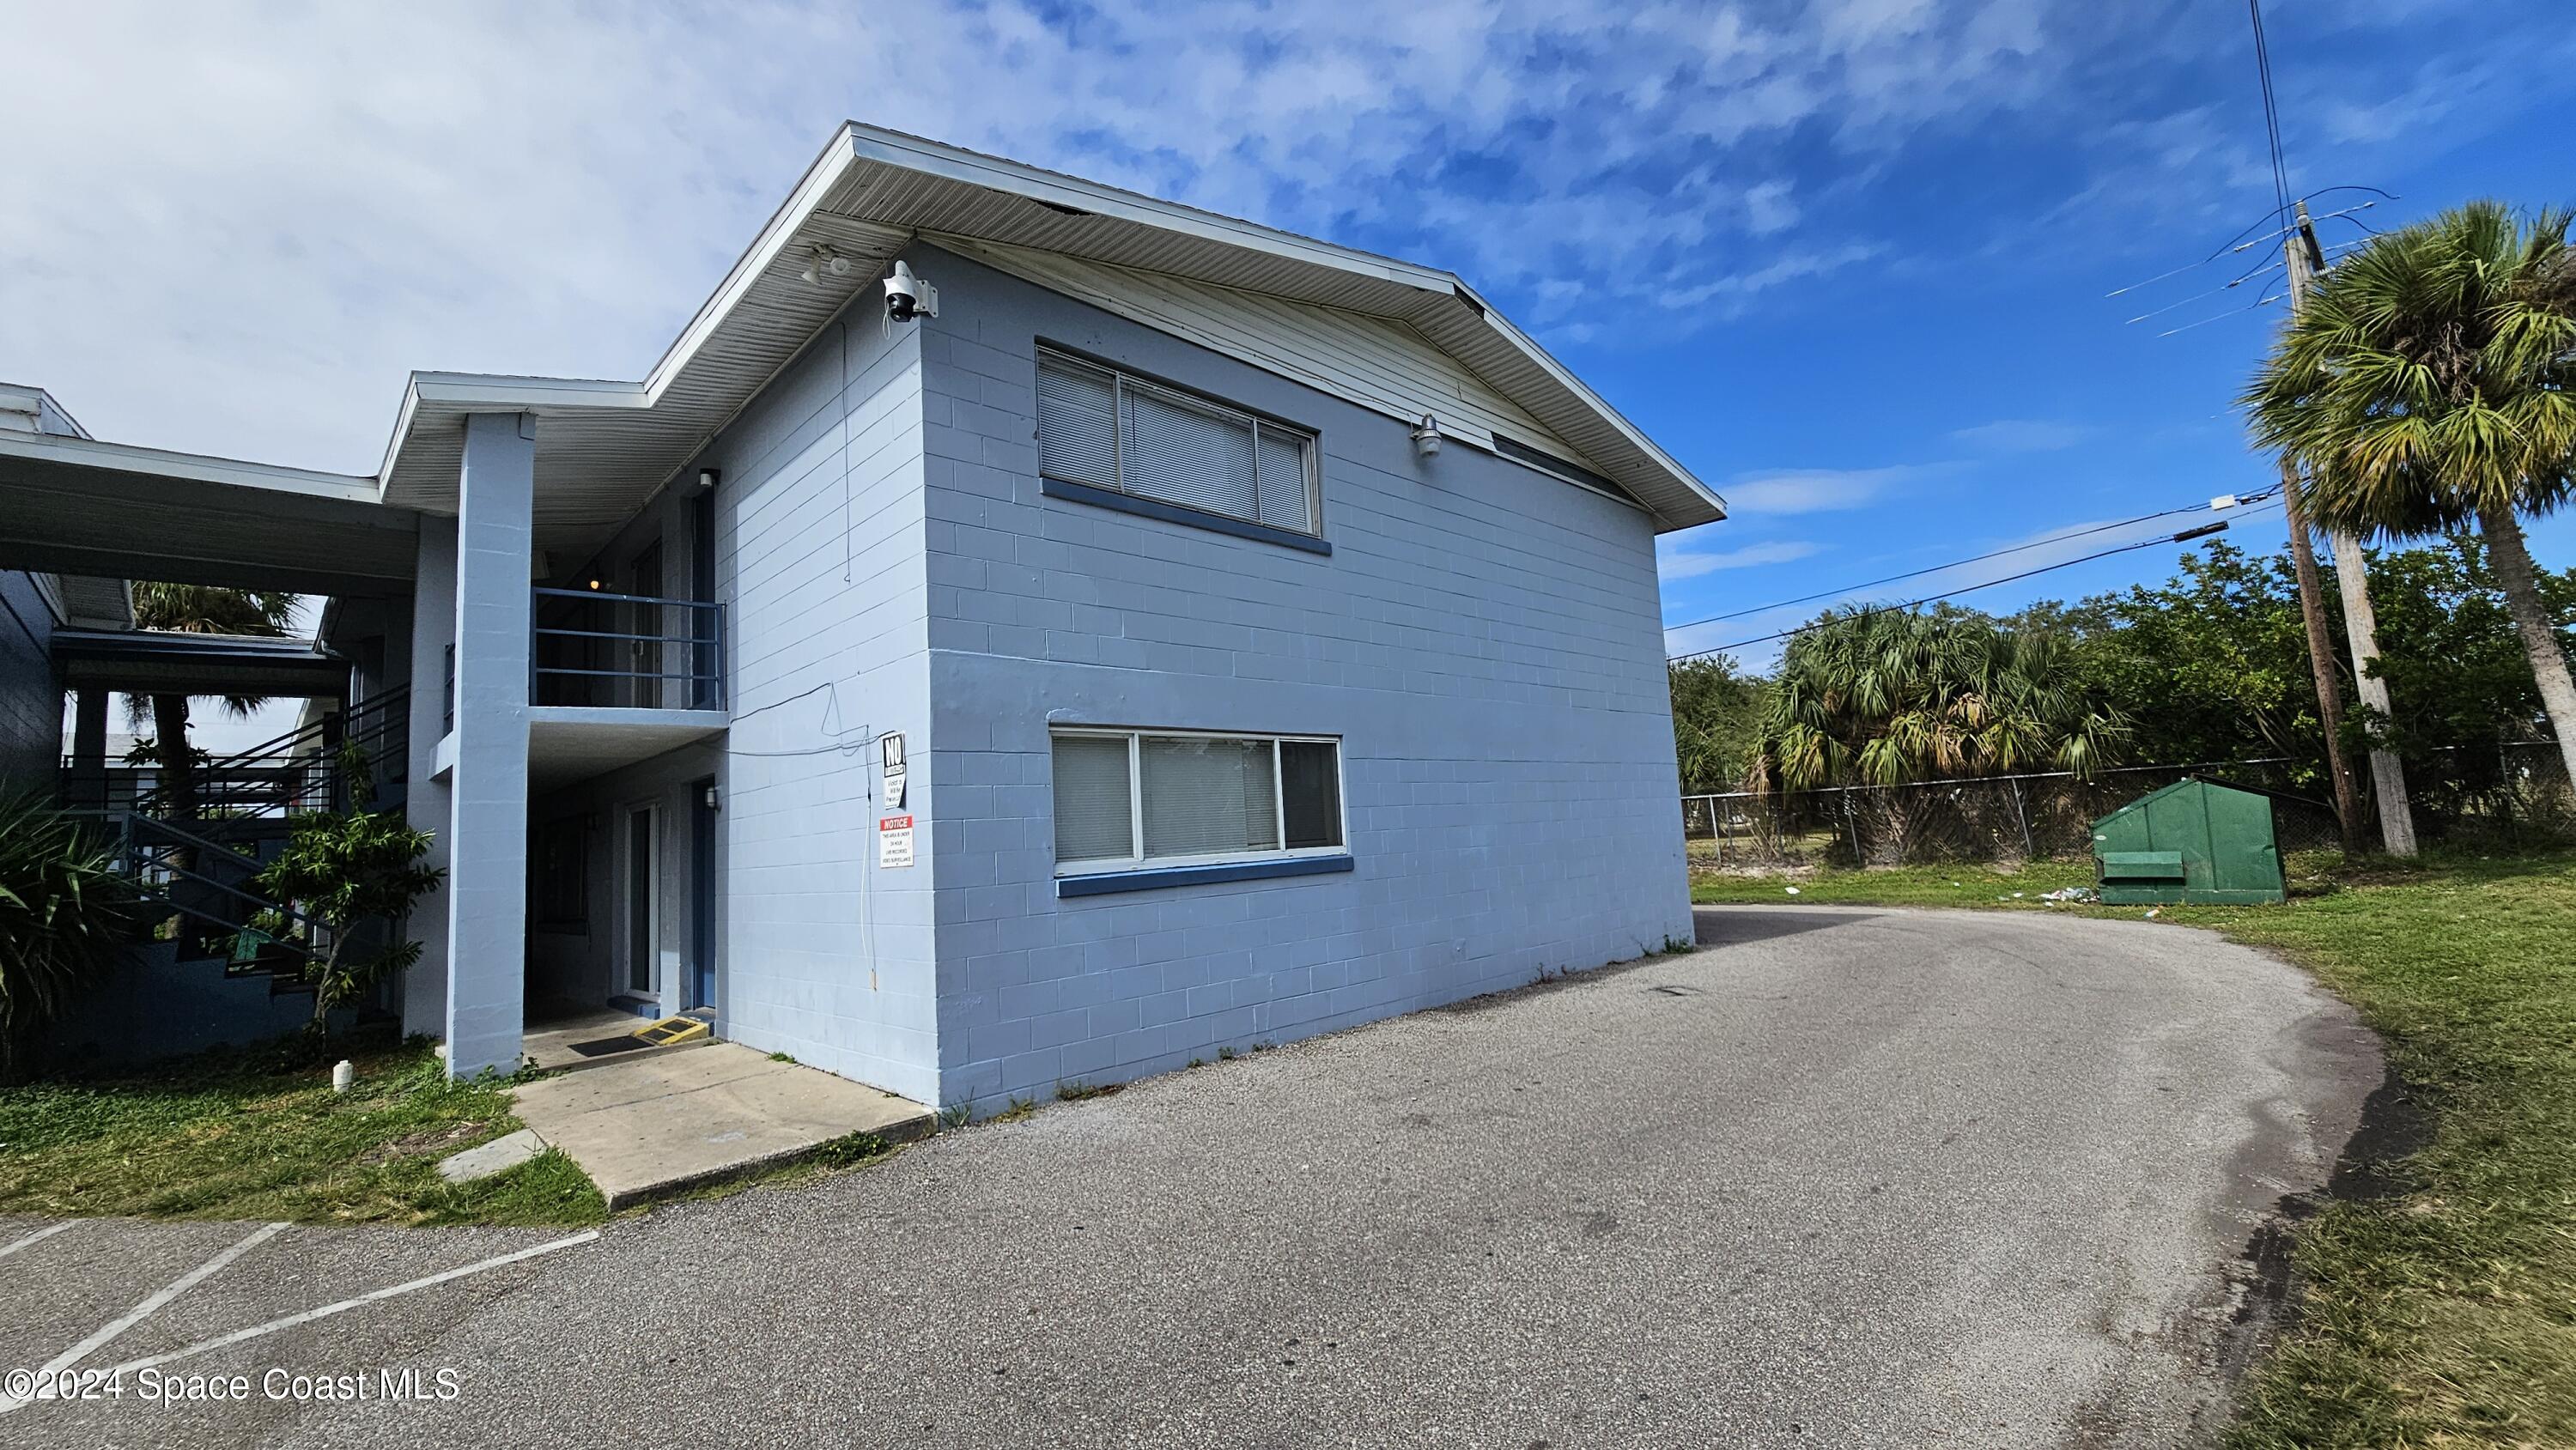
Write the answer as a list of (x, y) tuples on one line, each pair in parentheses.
[(646, 1127)]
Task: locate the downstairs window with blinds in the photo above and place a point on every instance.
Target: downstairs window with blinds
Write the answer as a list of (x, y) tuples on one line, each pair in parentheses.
[(1101, 428), (1128, 799)]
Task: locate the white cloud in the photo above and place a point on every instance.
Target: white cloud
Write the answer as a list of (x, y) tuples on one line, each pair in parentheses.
[(2021, 435), (1823, 490), (235, 229), (1680, 563), (1769, 208)]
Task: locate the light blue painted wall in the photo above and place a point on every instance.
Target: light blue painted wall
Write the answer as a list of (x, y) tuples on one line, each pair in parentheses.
[(1486, 639), (427, 801), (31, 703), (820, 561), (487, 790)]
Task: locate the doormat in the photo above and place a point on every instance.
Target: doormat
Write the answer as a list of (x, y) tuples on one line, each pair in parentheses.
[(609, 1045)]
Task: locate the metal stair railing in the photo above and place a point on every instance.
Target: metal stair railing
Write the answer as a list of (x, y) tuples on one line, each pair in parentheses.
[(298, 770), (186, 873)]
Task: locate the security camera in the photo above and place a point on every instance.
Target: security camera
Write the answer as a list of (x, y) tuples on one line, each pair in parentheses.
[(908, 297)]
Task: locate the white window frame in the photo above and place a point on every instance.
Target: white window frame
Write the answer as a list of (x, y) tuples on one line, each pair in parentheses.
[(1121, 380), (1138, 861)]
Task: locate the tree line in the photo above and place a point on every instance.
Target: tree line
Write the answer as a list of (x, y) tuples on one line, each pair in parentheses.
[(2424, 396), (2209, 665)]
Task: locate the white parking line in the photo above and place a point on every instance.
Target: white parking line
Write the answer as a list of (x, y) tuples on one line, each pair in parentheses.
[(327, 1310), (150, 1306), (39, 1236)]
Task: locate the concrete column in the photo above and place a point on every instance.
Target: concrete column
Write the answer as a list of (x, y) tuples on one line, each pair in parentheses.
[(89, 747), (487, 835), (426, 801)]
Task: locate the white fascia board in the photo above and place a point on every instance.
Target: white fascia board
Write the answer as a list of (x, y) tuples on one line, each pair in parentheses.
[(499, 392), (1590, 399), (916, 154), (502, 393), (912, 153), (38, 405), (195, 467), (781, 229)]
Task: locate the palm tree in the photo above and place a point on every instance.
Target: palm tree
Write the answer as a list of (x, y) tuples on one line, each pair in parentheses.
[(199, 609), (2431, 382), (1882, 697)]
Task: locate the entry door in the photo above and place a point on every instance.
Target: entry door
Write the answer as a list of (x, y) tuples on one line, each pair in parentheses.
[(643, 874), (644, 659), (702, 894)]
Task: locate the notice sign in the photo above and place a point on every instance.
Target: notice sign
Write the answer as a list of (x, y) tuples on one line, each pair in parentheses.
[(894, 841)]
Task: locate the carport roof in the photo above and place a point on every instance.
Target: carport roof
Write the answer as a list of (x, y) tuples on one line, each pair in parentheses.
[(72, 505), (155, 662)]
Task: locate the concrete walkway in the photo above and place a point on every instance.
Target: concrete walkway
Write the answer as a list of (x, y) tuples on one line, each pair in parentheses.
[(551, 1044), (657, 1123)]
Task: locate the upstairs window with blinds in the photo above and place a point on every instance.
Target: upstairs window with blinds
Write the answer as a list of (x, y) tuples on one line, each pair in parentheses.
[(1101, 428), (1129, 799)]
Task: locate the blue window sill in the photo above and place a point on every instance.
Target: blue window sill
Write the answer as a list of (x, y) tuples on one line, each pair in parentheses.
[(1172, 513), (1105, 882)]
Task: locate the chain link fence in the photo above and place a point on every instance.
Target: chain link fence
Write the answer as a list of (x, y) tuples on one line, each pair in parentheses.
[(2513, 796)]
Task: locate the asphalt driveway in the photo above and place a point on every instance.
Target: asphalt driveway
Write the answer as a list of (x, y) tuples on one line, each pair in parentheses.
[(1841, 1177)]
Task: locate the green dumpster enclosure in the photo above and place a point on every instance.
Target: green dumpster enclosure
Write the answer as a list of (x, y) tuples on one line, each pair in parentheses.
[(2194, 841)]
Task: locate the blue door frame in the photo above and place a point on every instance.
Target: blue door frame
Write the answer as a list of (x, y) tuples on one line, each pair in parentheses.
[(702, 893)]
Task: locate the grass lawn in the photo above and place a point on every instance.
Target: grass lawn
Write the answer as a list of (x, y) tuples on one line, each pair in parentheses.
[(239, 1135), (2441, 1312)]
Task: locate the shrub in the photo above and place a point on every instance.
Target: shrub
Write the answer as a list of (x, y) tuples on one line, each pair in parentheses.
[(345, 870), (65, 917)]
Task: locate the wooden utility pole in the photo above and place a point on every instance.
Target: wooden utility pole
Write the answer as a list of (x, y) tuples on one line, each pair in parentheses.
[(2303, 560), (2360, 620)]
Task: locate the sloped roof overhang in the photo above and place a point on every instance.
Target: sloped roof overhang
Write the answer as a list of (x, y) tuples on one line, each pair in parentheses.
[(609, 444)]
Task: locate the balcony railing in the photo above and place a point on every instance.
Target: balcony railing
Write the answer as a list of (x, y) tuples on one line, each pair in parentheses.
[(304, 769), (628, 651)]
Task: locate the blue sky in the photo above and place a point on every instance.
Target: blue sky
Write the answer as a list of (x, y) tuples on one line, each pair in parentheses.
[(1846, 260)]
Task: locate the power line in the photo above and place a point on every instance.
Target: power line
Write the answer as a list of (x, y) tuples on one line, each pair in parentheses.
[(2257, 270), (2240, 241), (2234, 246), (2240, 500), (2271, 109), (2264, 301), (2184, 537)]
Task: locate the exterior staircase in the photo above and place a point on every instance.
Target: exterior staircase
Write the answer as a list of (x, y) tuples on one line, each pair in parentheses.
[(202, 865)]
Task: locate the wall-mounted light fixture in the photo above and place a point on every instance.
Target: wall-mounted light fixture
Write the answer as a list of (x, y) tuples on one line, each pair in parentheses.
[(1426, 437), (591, 584), (707, 480), (711, 799), (822, 262)]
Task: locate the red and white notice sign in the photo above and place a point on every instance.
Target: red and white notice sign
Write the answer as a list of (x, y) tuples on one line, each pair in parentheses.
[(894, 841)]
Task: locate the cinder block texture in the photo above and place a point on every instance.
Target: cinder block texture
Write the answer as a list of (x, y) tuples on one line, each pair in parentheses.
[(1485, 638)]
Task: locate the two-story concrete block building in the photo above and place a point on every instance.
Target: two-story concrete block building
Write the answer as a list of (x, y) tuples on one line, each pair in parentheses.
[(1151, 633)]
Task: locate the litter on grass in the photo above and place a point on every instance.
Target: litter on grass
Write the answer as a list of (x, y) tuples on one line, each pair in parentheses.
[(2072, 893)]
